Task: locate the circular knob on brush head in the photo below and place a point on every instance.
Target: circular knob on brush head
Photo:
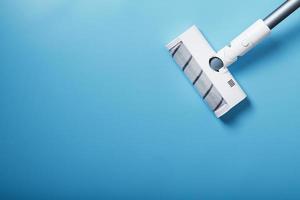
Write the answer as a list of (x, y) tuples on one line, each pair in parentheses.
[(216, 63)]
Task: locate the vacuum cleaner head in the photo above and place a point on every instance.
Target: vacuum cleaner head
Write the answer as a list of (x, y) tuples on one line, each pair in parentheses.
[(192, 52), (208, 70)]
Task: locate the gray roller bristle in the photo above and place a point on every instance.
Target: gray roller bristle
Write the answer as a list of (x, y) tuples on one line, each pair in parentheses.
[(198, 78)]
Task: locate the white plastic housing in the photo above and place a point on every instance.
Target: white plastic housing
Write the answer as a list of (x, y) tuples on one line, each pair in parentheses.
[(223, 81), (244, 42)]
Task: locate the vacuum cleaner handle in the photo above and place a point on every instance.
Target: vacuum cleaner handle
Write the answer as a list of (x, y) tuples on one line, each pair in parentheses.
[(252, 36), (281, 13)]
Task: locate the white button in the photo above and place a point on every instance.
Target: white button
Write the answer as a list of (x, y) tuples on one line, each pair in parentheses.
[(245, 43)]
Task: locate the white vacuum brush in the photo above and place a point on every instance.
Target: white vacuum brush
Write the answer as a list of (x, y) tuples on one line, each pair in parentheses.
[(207, 69)]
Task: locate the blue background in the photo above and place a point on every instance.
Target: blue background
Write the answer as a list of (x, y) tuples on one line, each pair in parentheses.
[(93, 107)]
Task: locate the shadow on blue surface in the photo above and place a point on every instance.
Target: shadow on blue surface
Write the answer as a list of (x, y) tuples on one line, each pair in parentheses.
[(231, 118)]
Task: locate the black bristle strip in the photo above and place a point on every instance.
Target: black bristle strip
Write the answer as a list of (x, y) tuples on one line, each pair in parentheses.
[(197, 78), (175, 51), (208, 91), (219, 104), (187, 63)]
